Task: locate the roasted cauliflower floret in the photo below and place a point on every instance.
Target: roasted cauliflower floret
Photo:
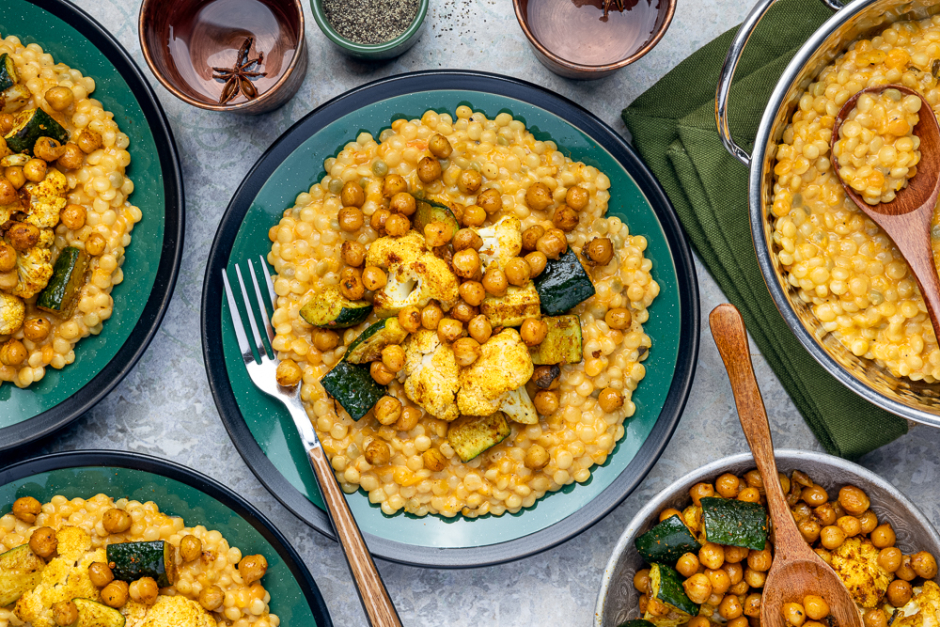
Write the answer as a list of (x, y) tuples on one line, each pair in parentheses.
[(415, 275), (501, 242), (33, 269), (12, 313), (922, 610), (46, 199), (177, 611), (432, 378), (856, 563), (63, 579), (504, 366)]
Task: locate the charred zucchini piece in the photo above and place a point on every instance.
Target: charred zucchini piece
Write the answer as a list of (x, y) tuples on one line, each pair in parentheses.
[(512, 309), (368, 346), (353, 387), (563, 284), (666, 585), (667, 542), (734, 523), (94, 614), (562, 344), (7, 72), (20, 572), (471, 435), (329, 309), (434, 211), (133, 560), (68, 277), (29, 126)]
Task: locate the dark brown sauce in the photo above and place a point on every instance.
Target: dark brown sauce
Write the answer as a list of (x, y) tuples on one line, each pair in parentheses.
[(577, 31), (209, 35)]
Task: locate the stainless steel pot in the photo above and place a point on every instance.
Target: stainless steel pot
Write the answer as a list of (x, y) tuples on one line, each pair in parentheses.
[(914, 400)]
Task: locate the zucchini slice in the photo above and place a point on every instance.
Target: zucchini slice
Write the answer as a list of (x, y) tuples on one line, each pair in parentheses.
[(667, 542), (562, 344), (368, 346), (328, 308), (353, 387), (68, 277), (666, 585), (133, 560), (734, 523), (94, 614), (563, 284), (433, 211), (29, 126), (471, 435), (7, 72), (20, 572), (512, 309)]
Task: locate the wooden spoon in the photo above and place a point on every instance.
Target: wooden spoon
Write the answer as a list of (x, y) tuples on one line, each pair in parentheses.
[(906, 219), (796, 570)]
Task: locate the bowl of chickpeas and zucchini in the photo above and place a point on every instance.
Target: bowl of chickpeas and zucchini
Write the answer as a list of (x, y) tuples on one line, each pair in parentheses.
[(94, 539), (698, 554)]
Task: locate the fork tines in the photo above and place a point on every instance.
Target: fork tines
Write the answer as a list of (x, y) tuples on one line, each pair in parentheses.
[(240, 331)]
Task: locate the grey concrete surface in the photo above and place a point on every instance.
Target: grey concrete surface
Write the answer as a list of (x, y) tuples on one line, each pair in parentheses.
[(164, 407)]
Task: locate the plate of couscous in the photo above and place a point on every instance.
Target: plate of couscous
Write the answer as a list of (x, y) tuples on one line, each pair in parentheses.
[(91, 216), (488, 305)]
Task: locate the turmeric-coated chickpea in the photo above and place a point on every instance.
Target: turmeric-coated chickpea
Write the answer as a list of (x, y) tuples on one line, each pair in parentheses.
[(429, 169), (720, 580), (480, 329), (810, 529), (889, 558), (695, 621), (380, 374), (65, 613), (749, 495), (350, 219), (95, 245), (116, 520), (490, 200), (474, 215), (449, 330), (288, 373), (924, 564), (531, 236), (439, 146), (72, 157), (15, 175), (533, 331), (35, 170), (565, 218), (378, 453), (393, 357), (8, 194), (735, 555), (43, 542), (853, 500), (352, 194), (700, 491), (641, 580), (379, 218), (577, 198), (36, 329), (730, 607), (754, 578), (517, 271), (467, 238), (190, 548), (354, 253), (464, 311), (494, 281), (374, 278), (610, 400), (814, 496), (100, 574), (48, 149), (815, 606), (794, 614), (403, 203), (697, 588), (899, 592), (431, 316), (6, 123), (469, 182), (869, 521), (434, 460), (883, 536), (553, 244), (472, 292), (850, 525), (352, 288), (537, 262), (146, 590), (538, 196), (905, 571), (89, 140), (752, 605), (466, 263), (73, 217), (832, 537), (409, 419), (23, 236), (466, 351), (397, 225), (875, 617), (759, 560), (253, 567), (211, 598), (59, 98), (600, 250), (546, 402), (536, 457), (687, 565), (325, 340), (669, 512), (825, 514), (115, 594), (410, 319), (711, 555), (26, 508), (727, 484), (393, 184), (438, 233)]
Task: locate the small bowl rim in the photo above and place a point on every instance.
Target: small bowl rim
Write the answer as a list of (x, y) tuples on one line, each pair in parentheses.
[(316, 7), (609, 67), (254, 103)]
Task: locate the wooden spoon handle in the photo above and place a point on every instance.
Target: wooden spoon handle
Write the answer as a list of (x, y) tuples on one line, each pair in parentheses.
[(731, 339), (378, 605), (914, 244)]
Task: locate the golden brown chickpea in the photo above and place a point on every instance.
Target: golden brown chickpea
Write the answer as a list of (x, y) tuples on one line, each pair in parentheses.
[(35, 170), (850, 525), (656, 607), (65, 613), (577, 198), (116, 520), (815, 606), (393, 358), (469, 182), (600, 250), (467, 238), (325, 340), (641, 580), (618, 318), (466, 263), (727, 484), (730, 607), (697, 588), (610, 400), (735, 555), (23, 236), (379, 218), (531, 236), (403, 203), (517, 271), (473, 216), (48, 149), (88, 140), (494, 281), (115, 594), (801, 510), (794, 614), (6, 123), (349, 273), (431, 316), (490, 200), (890, 558), (72, 157), (449, 330), (687, 565), (480, 329), (924, 564), (8, 194), (464, 312), (73, 217), (36, 329), (825, 514), (537, 262), (905, 571), (869, 521), (350, 219), (472, 293), (815, 623), (754, 578), (438, 233), (190, 548), (699, 491), (15, 175), (740, 621), (538, 196), (536, 458), (26, 508), (899, 592), (146, 590), (466, 351), (439, 146), (546, 402), (434, 460), (211, 598), (810, 529), (759, 560), (875, 617), (410, 319), (59, 98), (354, 253), (749, 495), (831, 537), (883, 536), (393, 184), (752, 605), (753, 479), (378, 453), (669, 512), (352, 288), (711, 555), (374, 278), (533, 331), (95, 245), (409, 419), (252, 568), (565, 218), (397, 225), (695, 621), (815, 496), (553, 244), (546, 377), (824, 555), (352, 194), (853, 500), (43, 542), (429, 169), (100, 574), (380, 374)]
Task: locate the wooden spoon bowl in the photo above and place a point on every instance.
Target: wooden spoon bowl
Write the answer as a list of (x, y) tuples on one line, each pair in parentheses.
[(796, 570)]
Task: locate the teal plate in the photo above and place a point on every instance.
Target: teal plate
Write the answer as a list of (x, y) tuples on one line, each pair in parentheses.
[(152, 259), (262, 430), (177, 491)]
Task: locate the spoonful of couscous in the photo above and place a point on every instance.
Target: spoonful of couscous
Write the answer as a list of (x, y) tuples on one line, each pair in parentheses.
[(886, 153)]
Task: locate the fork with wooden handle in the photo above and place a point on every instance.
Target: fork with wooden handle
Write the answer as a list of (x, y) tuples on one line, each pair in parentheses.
[(263, 372)]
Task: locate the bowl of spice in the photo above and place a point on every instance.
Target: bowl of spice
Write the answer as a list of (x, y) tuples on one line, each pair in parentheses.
[(590, 39), (371, 29), (243, 56)]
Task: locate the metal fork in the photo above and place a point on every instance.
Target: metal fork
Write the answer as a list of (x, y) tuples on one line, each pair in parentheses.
[(371, 589)]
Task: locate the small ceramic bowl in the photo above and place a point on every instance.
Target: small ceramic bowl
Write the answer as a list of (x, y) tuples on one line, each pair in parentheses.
[(372, 52), (562, 29), (160, 20), (618, 599)]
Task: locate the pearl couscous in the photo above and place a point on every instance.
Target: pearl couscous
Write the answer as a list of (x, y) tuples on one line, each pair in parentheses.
[(840, 262), (491, 173)]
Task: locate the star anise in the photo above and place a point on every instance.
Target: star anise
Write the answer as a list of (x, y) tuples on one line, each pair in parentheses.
[(238, 77), (616, 4)]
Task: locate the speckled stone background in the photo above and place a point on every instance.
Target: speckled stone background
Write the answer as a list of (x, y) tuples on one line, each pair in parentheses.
[(164, 407)]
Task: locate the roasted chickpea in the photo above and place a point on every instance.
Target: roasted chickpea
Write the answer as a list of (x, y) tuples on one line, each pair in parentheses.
[(15, 175), (434, 460), (439, 146), (466, 351), (464, 311), (825, 514), (687, 565), (354, 253), (610, 400), (753, 479), (794, 614), (697, 588), (48, 149), (43, 542), (36, 329), (759, 560), (145, 590), (116, 520), (467, 238), (431, 316), (397, 225), (374, 278), (749, 495), (410, 319), (190, 548), (810, 529), (115, 594), (352, 194), (211, 598), (429, 169), (473, 216), (641, 580), (100, 574), (869, 521), (350, 219), (546, 402), (815, 606), (409, 419), (735, 555), (565, 218), (59, 98), (577, 198), (288, 373), (740, 621), (72, 157), (26, 508), (546, 377), (752, 605), (35, 170), (379, 218), (352, 288), (393, 184), (73, 217), (6, 123), (472, 293), (875, 617), (517, 271), (537, 262), (824, 555), (8, 194), (669, 512), (253, 567), (538, 196), (531, 236), (695, 621), (7, 257), (924, 564), (883, 536), (469, 182), (899, 592), (600, 250), (890, 558), (905, 571), (815, 496), (533, 331), (381, 374), (325, 340), (348, 273), (832, 537), (727, 484), (494, 281), (65, 613), (850, 525), (711, 555), (450, 330), (23, 236), (853, 500), (95, 245), (438, 233), (466, 263), (490, 200), (730, 607), (393, 357), (403, 203), (480, 329), (700, 491), (378, 453), (553, 244)]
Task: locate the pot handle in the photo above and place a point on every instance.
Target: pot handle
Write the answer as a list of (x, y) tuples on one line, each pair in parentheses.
[(731, 64)]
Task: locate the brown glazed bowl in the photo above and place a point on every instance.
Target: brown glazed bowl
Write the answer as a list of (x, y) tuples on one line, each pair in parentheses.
[(570, 69), (159, 18)]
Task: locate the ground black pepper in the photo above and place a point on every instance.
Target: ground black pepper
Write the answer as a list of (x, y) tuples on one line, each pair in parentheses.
[(370, 21)]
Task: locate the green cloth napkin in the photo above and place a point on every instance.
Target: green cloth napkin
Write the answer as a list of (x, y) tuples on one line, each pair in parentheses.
[(673, 127)]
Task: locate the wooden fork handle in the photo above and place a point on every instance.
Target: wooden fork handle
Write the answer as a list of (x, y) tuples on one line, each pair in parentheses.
[(375, 600), (731, 338)]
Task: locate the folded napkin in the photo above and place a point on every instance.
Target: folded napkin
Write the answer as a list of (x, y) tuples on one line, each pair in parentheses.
[(673, 127)]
